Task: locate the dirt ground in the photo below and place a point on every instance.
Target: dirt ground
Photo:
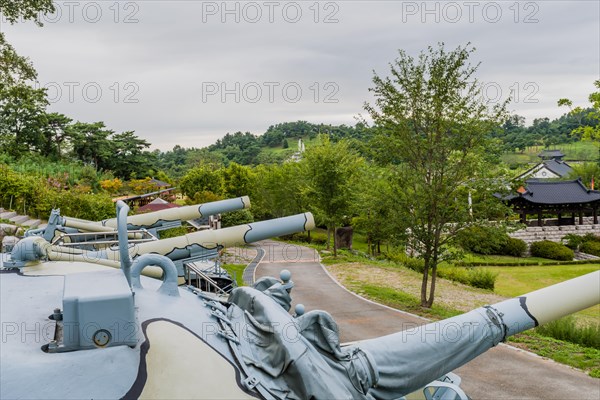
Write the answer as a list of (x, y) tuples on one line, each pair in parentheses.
[(448, 293), (239, 255)]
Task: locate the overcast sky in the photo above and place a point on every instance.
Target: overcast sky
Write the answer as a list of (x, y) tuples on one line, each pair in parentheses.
[(187, 72)]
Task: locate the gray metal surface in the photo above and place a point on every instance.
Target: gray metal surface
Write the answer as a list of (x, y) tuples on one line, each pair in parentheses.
[(501, 373)]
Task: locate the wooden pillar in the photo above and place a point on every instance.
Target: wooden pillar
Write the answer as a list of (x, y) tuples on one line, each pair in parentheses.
[(580, 217), (540, 222), (523, 217), (595, 213)]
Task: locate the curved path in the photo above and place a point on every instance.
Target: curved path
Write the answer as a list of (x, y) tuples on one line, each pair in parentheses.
[(502, 373)]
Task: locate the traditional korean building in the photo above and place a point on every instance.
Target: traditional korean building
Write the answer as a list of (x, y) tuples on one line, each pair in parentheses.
[(551, 155), (564, 199), (548, 169)]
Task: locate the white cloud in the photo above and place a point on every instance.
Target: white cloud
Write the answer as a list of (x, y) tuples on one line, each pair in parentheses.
[(178, 48)]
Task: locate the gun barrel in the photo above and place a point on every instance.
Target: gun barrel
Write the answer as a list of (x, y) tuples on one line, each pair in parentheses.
[(209, 241), (410, 359), (157, 218)]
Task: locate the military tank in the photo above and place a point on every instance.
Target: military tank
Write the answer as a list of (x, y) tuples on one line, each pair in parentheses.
[(91, 324)]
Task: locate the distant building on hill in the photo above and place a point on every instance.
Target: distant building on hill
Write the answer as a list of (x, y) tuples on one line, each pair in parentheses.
[(548, 169), (551, 155)]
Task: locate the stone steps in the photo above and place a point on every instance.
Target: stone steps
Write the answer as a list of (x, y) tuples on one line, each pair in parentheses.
[(7, 214), (24, 221), (19, 219), (32, 223), (584, 256), (553, 233)]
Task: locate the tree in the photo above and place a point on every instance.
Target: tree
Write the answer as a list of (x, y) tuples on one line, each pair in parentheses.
[(55, 134), (238, 180), (330, 169), (22, 107), (26, 9), (22, 118), (128, 158), (91, 143), (204, 178), (587, 132), (434, 127), (374, 207)]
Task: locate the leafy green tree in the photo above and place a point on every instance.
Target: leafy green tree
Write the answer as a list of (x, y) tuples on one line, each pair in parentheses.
[(55, 135), (22, 108), (279, 190), (238, 180), (204, 178), (435, 126), (330, 169), (13, 67), (586, 171), (587, 132), (128, 158), (26, 9), (237, 217), (91, 143), (22, 119), (374, 207)]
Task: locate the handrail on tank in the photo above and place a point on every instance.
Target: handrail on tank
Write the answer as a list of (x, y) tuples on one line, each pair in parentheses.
[(122, 211)]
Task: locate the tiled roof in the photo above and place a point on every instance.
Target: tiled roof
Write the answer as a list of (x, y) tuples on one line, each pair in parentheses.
[(558, 192), (560, 168), (551, 154), (151, 207)]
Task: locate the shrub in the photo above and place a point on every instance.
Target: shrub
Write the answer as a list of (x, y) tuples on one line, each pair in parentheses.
[(416, 264), (572, 241), (576, 242), (591, 247), (237, 217), (482, 278), (477, 277), (567, 329), (551, 250), (456, 274), (400, 257), (590, 237), (488, 240), (482, 239), (514, 247), (173, 232), (315, 237)]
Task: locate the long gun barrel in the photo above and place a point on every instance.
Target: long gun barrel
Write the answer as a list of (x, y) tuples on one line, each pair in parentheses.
[(212, 240), (410, 359), (177, 248), (58, 224), (157, 218)]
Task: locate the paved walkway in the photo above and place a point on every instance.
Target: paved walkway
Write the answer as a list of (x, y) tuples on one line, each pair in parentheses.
[(502, 373)]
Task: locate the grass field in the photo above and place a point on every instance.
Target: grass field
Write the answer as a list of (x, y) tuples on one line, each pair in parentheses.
[(578, 151), (515, 281), (236, 271)]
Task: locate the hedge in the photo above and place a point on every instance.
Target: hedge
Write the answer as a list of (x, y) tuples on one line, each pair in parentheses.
[(551, 250), (488, 240)]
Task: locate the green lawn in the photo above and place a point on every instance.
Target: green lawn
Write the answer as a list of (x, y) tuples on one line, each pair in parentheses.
[(515, 281), (585, 358), (236, 271)]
